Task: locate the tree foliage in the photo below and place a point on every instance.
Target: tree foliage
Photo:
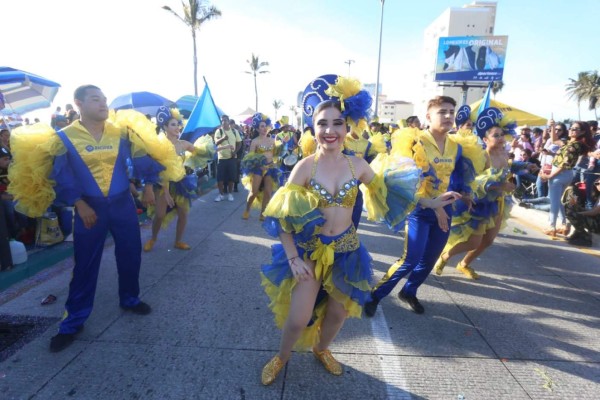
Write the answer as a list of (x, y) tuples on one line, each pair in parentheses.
[(256, 67), (195, 14), (585, 88)]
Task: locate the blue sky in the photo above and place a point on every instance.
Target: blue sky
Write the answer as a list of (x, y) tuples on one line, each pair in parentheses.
[(134, 45)]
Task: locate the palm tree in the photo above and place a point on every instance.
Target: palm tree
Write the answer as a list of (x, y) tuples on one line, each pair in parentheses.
[(196, 13), (255, 68), (593, 91), (277, 105), (497, 87), (578, 89), (294, 110)]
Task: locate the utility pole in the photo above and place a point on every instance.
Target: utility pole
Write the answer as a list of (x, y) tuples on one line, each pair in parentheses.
[(379, 61), (349, 62)]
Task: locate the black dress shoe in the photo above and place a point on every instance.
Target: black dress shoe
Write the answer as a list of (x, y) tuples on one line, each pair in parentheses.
[(371, 307), (140, 308), (61, 341), (413, 302)]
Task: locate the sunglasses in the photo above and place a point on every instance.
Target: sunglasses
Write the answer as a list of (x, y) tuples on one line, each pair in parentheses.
[(576, 129)]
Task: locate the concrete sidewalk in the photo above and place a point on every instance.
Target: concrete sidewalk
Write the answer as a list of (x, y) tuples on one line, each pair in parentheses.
[(526, 330)]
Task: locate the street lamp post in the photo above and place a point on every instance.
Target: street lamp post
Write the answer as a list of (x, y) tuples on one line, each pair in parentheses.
[(349, 62), (379, 60)]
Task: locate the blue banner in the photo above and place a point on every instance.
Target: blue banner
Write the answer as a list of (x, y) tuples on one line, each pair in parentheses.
[(205, 117), (471, 58)]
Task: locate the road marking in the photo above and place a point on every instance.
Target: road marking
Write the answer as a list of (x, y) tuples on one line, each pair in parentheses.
[(396, 385)]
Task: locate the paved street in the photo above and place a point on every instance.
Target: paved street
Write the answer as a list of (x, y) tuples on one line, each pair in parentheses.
[(528, 329)]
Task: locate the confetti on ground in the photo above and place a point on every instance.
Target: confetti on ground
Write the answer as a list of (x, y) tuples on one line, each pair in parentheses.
[(548, 382)]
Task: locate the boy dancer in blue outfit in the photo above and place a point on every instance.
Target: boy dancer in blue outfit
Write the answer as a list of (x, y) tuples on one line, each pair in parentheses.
[(427, 229)]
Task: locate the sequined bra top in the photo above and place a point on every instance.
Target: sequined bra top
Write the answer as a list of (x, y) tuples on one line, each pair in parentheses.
[(345, 197), (261, 149)]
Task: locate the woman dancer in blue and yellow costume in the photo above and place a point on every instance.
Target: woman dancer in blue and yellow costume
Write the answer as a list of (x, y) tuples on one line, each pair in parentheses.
[(86, 165), (176, 197), (355, 143), (261, 175), (445, 167), (474, 230), (320, 273)]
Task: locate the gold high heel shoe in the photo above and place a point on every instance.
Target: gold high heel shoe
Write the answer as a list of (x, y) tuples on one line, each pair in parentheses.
[(468, 271), (245, 215), (271, 370), (330, 363), (182, 246), (439, 265), (149, 245)]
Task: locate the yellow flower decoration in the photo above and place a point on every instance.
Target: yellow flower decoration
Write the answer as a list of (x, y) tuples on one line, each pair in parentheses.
[(343, 89)]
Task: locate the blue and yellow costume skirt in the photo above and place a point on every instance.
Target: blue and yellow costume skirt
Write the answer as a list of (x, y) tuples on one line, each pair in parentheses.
[(478, 221), (256, 165), (182, 192), (342, 264)]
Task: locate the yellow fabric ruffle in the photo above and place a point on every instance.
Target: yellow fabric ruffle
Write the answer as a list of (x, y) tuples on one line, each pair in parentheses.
[(181, 202), (375, 193), (308, 144), (33, 148), (291, 201), (406, 142), (471, 149), (142, 134), (204, 151), (281, 297), (377, 144)]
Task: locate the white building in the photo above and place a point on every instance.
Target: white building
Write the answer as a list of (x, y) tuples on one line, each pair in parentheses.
[(394, 110), (475, 19)]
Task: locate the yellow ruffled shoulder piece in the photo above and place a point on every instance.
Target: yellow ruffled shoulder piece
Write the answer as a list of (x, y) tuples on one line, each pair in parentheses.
[(471, 148), (377, 144), (204, 151), (308, 144), (34, 148), (291, 200), (406, 142), (142, 134), (375, 193)]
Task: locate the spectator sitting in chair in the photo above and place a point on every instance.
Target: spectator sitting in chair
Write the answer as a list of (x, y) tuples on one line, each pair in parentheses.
[(14, 220), (528, 174), (584, 222)]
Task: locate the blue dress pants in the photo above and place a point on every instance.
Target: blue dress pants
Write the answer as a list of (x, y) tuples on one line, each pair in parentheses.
[(117, 215), (423, 245)]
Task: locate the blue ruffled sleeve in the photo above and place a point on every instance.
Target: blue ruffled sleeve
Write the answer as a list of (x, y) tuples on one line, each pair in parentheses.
[(463, 175)]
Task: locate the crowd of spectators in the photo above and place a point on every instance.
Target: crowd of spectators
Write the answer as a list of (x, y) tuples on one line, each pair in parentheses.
[(565, 173)]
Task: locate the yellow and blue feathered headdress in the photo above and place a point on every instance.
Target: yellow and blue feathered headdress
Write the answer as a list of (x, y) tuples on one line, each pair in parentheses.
[(164, 114), (258, 118), (355, 103), (491, 117)]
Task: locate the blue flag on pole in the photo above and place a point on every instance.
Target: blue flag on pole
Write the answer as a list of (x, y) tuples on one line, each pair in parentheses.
[(485, 103), (204, 117)]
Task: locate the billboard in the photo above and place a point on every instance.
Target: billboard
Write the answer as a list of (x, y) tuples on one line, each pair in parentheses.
[(471, 58)]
